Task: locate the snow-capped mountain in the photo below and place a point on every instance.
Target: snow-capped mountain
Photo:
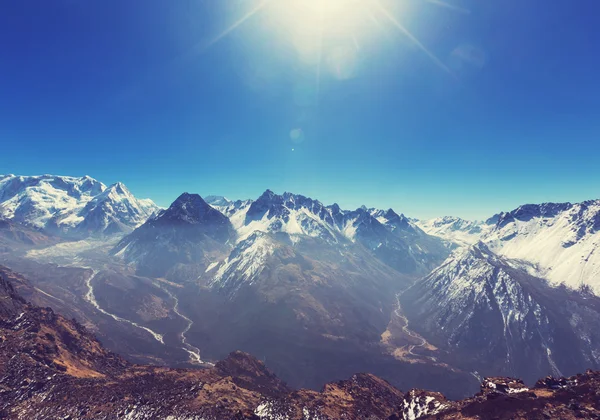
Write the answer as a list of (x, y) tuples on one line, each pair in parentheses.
[(36, 200), (454, 230), (226, 206), (562, 240), (422, 247), (188, 235), (491, 316), (70, 206), (245, 263), (295, 215), (390, 237), (218, 201), (559, 241), (394, 221), (387, 236)]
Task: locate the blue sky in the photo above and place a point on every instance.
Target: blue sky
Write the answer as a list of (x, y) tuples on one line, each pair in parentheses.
[(155, 94)]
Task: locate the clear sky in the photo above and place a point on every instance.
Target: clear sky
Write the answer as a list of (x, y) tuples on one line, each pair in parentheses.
[(463, 108)]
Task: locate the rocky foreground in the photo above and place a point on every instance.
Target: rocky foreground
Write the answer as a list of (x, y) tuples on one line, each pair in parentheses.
[(52, 368)]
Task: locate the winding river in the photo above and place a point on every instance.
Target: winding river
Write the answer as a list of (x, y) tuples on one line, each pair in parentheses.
[(90, 297)]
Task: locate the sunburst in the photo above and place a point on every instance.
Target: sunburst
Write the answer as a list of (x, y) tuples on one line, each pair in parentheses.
[(311, 22)]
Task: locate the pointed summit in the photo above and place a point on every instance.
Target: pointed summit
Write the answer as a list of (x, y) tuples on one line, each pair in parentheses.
[(120, 188), (183, 235), (268, 203), (191, 208), (115, 192), (267, 194), (115, 210), (186, 199)]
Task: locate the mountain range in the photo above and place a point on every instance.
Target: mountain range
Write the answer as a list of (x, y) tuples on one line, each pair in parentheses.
[(559, 242), (316, 291), (71, 207)]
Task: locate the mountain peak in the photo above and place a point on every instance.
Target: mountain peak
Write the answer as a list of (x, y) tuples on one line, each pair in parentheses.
[(390, 212), (217, 200), (117, 188), (394, 217), (478, 251), (268, 194), (268, 202), (182, 234), (190, 208), (187, 198)]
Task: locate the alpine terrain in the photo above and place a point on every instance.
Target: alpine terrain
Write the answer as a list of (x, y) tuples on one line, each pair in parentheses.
[(317, 293), (71, 207)]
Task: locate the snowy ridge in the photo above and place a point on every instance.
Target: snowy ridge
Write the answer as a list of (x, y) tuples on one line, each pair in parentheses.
[(212, 239), (474, 276), (559, 242), (563, 240), (244, 263), (71, 206), (36, 199), (269, 411), (455, 230), (227, 206), (293, 214), (478, 303), (392, 238), (289, 213)]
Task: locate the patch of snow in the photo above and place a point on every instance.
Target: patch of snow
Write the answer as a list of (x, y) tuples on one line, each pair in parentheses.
[(266, 410), (245, 262), (421, 406), (211, 266)]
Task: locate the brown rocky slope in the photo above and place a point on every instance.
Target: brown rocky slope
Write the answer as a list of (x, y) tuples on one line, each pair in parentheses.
[(51, 367)]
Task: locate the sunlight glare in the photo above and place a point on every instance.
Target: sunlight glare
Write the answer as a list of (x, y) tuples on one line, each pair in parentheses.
[(327, 9), (314, 25)]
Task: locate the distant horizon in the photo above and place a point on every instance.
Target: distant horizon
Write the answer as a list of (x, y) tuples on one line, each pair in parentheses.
[(165, 203)]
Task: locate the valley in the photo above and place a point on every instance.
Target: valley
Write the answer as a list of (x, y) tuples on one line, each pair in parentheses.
[(53, 367)]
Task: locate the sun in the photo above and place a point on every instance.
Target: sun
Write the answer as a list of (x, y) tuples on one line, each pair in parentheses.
[(331, 31), (317, 15), (315, 28), (329, 9), (338, 15)]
